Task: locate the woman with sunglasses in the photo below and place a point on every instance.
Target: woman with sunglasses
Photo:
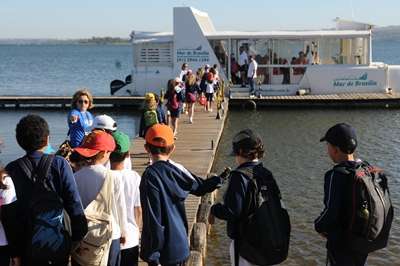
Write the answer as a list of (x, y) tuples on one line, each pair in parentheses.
[(80, 120)]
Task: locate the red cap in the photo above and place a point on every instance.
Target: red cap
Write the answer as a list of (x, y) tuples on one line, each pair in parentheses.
[(96, 142), (160, 135)]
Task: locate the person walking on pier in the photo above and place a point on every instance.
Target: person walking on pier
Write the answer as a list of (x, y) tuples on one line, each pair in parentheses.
[(358, 212), (175, 99), (163, 189), (80, 120), (191, 91)]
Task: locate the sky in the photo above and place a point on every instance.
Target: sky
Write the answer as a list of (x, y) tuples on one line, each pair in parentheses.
[(69, 19)]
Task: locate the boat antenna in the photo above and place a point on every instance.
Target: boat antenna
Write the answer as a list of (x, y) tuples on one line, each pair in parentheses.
[(352, 9)]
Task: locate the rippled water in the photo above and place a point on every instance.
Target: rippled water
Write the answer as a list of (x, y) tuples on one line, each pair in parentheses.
[(128, 122), (298, 161)]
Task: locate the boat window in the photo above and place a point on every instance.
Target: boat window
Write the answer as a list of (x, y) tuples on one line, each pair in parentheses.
[(353, 51)]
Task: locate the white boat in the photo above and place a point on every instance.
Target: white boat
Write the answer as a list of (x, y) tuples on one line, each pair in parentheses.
[(335, 61)]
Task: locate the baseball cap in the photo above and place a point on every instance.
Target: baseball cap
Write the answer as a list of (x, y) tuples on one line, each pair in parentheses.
[(150, 96), (104, 122), (160, 135), (246, 140), (96, 142), (342, 136), (207, 66), (121, 141)]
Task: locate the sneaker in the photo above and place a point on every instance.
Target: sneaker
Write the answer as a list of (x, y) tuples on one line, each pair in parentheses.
[(190, 120)]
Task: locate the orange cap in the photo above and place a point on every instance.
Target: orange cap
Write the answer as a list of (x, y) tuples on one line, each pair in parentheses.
[(160, 135)]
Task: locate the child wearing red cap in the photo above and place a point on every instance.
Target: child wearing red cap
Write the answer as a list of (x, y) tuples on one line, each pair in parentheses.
[(163, 189), (96, 149)]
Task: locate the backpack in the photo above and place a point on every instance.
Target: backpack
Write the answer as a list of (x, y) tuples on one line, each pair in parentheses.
[(150, 118), (94, 248), (48, 239), (265, 224), (371, 211), (173, 101)]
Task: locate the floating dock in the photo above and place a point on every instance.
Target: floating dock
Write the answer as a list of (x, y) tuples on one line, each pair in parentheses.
[(195, 149), (350, 100)]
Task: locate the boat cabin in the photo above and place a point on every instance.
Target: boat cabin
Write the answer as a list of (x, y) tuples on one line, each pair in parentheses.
[(322, 62)]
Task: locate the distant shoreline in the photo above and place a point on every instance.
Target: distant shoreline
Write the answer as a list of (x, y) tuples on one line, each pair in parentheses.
[(91, 41), (388, 33)]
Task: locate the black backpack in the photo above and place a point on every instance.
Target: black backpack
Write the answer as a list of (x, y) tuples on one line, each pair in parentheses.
[(48, 239), (371, 211), (265, 224)]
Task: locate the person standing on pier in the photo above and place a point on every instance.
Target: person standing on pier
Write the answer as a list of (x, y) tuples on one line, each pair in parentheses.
[(80, 120), (44, 186), (163, 189), (253, 207), (130, 181), (358, 212)]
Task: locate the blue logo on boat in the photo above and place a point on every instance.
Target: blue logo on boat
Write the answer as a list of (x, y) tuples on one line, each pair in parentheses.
[(359, 81)]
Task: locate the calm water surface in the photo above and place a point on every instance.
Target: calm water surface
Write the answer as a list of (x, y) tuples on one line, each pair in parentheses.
[(298, 161), (294, 153)]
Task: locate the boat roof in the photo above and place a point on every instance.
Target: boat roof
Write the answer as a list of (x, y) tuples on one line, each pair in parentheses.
[(142, 37)]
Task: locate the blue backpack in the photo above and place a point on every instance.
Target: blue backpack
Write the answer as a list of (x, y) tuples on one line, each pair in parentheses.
[(48, 239)]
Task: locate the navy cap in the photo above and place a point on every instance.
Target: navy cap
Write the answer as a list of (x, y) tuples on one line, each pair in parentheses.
[(246, 140), (342, 136)]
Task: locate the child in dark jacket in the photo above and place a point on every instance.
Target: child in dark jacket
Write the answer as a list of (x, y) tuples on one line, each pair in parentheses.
[(163, 189)]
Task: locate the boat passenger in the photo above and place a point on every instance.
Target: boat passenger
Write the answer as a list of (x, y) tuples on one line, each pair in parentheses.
[(80, 120), (252, 74), (243, 64)]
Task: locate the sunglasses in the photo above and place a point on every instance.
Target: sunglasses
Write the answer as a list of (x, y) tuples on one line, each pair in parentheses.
[(83, 101)]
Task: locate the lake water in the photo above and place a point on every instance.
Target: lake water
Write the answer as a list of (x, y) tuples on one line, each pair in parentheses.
[(294, 153)]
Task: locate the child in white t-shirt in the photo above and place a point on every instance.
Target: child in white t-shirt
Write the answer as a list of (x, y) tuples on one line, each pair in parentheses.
[(7, 197), (131, 182)]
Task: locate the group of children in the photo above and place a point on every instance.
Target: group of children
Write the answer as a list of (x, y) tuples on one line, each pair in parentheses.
[(105, 202)]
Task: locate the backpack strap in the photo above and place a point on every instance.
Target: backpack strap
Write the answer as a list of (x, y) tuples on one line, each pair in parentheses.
[(40, 172), (247, 171)]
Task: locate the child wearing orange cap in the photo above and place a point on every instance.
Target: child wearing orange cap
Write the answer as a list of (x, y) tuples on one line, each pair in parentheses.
[(163, 189), (90, 179)]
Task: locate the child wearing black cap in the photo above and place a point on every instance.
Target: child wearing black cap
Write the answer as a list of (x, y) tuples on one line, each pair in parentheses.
[(339, 220), (250, 175)]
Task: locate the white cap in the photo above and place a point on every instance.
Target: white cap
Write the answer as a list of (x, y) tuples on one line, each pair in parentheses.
[(104, 122)]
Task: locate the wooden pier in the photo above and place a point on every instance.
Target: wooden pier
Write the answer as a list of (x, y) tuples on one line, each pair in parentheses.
[(65, 101), (196, 146), (357, 100)]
